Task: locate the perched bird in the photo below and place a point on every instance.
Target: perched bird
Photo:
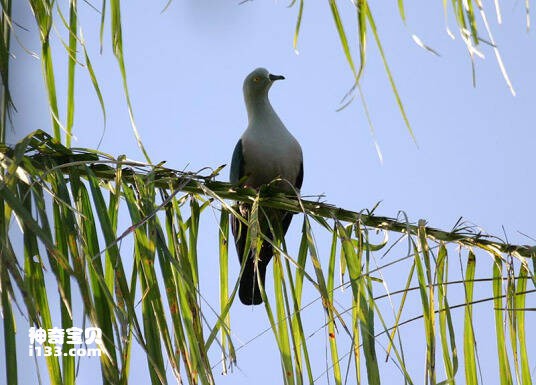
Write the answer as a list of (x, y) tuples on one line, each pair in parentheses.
[(266, 151)]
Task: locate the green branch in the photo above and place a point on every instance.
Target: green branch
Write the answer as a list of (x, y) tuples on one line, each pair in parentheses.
[(43, 155)]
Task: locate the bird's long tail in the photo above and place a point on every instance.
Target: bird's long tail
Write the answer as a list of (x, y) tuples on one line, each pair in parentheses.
[(249, 291)]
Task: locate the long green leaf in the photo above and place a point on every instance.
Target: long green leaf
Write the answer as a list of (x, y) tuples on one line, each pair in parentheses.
[(469, 345), (73, 24), (505, 375), (519, 303)]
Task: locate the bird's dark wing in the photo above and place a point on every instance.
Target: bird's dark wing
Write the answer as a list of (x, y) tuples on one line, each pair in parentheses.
[(299, 179), (249, 292), (240, 230), (287, 218), (237, 163)]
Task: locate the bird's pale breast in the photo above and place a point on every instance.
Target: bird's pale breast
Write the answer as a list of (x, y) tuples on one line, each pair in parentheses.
[(268, 157)]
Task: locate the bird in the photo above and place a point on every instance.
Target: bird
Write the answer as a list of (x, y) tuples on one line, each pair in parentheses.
[(266, 151)]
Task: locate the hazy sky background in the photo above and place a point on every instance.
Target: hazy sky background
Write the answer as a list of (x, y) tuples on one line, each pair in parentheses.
[(475, 154)]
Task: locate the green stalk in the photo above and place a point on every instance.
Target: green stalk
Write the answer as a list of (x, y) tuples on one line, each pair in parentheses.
[(71, 67)]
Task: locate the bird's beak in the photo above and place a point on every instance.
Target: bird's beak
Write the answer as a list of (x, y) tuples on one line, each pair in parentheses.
[(275, 77)]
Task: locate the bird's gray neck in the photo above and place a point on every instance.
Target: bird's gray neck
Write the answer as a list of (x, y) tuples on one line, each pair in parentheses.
[(258, 106)]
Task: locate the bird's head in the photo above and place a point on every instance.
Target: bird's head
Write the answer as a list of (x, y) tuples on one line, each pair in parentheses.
[(258, 82)]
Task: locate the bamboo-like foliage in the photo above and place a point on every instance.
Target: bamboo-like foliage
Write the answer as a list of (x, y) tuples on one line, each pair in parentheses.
[(71, 232), (66, 205)]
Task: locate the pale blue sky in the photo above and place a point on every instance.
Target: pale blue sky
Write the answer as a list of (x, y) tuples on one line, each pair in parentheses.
[(185, 70)]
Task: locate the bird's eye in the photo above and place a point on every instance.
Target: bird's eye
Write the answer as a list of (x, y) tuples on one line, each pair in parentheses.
[(256, 79)]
